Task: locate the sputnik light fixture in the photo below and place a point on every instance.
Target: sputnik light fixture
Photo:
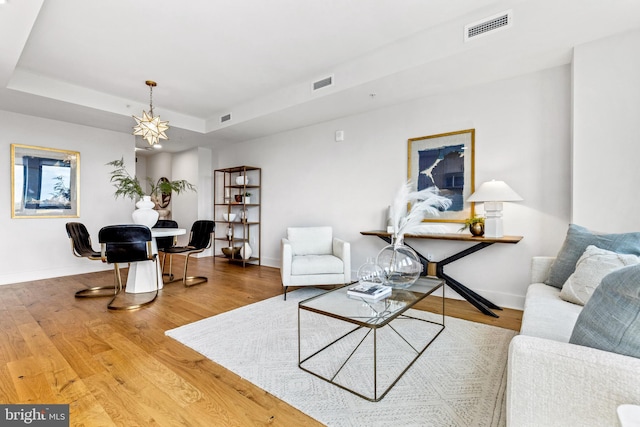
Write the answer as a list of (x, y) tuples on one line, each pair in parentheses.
[(149, 127)]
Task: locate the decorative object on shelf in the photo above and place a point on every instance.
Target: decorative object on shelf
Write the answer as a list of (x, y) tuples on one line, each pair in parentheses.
[(230, 232), (243, 215), (400, 263), (230, 217), (238, 198), (246, 251), (129, 187), (242, 180), (445, 161), (493, 193), (145, 214), (475, 226), (247, 198), (231, 252), (370, 273), (150, 128)]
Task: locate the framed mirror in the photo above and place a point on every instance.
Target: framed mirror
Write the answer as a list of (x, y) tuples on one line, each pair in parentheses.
[(45, 182)]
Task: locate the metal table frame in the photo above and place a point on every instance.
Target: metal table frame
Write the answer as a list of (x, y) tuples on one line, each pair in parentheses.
[(373, 331)]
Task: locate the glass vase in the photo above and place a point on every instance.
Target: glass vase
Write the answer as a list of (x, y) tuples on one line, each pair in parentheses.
[(370, 273), (400, 265)]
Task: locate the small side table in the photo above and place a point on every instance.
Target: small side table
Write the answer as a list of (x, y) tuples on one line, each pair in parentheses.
[(437, 268)]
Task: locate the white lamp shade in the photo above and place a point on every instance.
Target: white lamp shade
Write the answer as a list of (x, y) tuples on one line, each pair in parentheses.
[(494, 191)]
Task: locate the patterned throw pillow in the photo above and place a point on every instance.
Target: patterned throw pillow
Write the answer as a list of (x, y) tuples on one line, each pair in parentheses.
[(593, 265), (610, 320), (576, 242)]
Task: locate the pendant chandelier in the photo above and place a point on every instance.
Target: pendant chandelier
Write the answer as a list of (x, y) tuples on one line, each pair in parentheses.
[(149, 127)]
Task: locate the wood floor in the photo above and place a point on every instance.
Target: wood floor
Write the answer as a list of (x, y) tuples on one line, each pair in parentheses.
[(118, 368)]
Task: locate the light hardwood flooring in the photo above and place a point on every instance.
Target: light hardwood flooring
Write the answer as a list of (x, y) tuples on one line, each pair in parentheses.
[(118, 368)]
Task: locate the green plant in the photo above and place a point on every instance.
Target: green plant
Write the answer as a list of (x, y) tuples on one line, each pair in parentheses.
[(129, 186), (247, 194), (471, 221)]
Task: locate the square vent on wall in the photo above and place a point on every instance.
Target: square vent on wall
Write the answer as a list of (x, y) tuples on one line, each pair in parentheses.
[(490, 25)]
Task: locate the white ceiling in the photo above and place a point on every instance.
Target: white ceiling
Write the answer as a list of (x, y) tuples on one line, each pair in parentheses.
[(86, 61)]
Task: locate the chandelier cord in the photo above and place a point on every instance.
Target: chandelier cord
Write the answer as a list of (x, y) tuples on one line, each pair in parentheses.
[(151, 100)]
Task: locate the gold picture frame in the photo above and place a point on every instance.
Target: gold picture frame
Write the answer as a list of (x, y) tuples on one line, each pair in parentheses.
[(45, 182), (445, 161)]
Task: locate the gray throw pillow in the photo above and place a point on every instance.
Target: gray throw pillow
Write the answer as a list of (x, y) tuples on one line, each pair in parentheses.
[(610, 320), (576, 242)]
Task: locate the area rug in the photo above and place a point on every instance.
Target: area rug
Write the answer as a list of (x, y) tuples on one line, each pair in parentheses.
[(459, 381)]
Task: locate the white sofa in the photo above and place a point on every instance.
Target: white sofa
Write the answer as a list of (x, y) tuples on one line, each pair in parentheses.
[(554, 383)]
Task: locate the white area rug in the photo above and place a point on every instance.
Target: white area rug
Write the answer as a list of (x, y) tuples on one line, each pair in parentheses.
[(459, 380)]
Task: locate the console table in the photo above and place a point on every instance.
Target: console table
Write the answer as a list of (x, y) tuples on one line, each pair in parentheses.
[(437, 268)]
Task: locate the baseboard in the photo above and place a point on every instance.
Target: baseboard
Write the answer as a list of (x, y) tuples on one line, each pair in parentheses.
[(28, 276)]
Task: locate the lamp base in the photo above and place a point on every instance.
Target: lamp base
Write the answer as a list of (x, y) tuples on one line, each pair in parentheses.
[(493, 219)]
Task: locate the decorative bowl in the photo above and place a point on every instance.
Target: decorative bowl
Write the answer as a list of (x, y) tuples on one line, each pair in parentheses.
[(229, 217), (232, 252), (242, 180)]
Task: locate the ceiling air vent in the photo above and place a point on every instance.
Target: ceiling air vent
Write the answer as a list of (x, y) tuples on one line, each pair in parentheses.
[(322, 83), (225, 118), (488, 25)]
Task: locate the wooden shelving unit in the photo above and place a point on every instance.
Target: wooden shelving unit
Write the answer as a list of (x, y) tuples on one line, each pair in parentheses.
[(231, 186)]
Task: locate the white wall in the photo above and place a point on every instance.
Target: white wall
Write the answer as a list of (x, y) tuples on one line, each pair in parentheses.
[(39, 248), (522, 136), (606, 147)]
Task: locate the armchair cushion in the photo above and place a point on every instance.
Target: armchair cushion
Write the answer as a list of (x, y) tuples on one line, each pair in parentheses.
[(310, 240), (316, 264)]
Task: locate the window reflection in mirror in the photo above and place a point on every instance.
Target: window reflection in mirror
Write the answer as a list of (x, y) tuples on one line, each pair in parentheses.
[(45, 182)]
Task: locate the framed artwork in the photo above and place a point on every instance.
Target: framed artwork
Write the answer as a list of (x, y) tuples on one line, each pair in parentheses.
[(45, 182), (445, 161)]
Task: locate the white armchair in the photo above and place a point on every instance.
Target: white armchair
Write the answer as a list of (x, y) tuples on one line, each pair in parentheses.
[(312, 256)]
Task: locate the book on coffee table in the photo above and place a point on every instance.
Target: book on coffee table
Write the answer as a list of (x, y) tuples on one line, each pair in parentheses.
[(369, 291)]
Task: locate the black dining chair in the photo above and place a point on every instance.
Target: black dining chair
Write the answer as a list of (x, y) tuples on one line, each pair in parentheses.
[(165, 243), (125, 244), (199, 240), (82, 248)]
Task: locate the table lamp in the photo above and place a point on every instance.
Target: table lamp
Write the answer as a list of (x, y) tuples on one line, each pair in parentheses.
[(493, 193)]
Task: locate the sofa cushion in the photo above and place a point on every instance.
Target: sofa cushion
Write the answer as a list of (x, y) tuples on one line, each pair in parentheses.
[(610, 320), (546, 315), (593, 265), (311, 240), (316, 264), (576, 242)]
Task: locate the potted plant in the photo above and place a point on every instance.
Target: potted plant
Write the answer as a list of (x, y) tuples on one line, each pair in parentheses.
[(475, 225), (247, 198), (129, 186)]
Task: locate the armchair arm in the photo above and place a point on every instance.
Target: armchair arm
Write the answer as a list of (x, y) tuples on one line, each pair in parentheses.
[(560, 384), (285, 262), (342, 250)]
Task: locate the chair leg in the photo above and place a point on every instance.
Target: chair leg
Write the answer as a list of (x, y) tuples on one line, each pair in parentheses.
[(97, 291), (162, 264), (120, 288), (285, 292), (189, 280)]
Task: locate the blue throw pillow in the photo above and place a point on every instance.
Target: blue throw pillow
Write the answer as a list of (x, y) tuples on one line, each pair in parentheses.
[(610, 320), (576, 242)]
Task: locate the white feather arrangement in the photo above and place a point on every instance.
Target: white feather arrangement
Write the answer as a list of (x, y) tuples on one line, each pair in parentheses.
[(424, 202)]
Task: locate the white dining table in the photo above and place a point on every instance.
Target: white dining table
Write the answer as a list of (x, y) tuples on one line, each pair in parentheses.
[(141, 277)]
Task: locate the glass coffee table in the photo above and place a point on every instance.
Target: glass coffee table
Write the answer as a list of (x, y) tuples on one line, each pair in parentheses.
[(365, 346)]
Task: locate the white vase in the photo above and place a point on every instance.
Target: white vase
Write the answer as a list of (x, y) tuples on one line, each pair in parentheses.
[(246, 251), (242, 180), (145, 214)]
